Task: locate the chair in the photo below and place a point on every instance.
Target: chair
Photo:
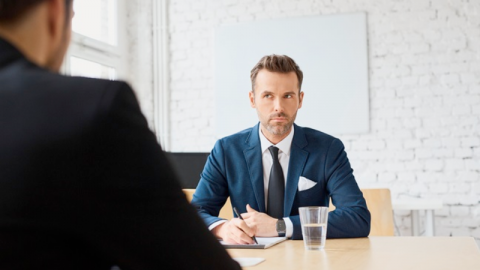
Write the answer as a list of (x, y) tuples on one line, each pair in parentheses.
[(379, 203), (226, 212)]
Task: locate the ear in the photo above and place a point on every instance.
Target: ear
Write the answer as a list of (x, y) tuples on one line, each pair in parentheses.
[(56, 21), (251, 96), (300, 99)]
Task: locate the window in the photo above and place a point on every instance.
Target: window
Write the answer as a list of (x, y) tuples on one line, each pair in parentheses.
[(96, 19), (97, 49), (82, 67)]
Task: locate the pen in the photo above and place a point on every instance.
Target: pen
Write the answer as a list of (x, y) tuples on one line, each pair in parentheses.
[(239, 216)]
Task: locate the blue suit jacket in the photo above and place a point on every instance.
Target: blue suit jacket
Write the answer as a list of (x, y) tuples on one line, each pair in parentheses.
[(234, 168)]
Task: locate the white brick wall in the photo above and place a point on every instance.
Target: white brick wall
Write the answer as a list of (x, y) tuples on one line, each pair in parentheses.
[(140, 50), (424, 63)]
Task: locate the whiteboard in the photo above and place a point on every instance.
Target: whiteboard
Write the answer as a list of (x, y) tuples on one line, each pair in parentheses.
[(330, 50)]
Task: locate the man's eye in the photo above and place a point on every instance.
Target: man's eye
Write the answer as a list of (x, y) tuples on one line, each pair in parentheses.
[(288, 96), (267, 96)]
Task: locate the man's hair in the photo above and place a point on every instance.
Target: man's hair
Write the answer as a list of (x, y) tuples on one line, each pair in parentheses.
[(10, 10), (276, 63)]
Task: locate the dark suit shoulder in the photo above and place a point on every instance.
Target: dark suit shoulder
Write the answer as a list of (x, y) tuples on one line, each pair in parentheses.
[(23, 78), (237, 139), (36, 101), (313, 133), (316, 138), (78, 87)]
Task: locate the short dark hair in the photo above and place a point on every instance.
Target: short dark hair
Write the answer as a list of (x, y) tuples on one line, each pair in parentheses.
[(277, 63), (11, 10)]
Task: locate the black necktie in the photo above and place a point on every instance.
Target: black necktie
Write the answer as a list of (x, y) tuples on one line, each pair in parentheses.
[(276, 187)]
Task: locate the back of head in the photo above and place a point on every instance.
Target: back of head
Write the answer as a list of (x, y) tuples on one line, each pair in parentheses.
[(12, 10), (33, 27), (276, 63)]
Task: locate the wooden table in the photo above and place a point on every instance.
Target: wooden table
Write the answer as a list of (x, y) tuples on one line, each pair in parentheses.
[(371, 253)]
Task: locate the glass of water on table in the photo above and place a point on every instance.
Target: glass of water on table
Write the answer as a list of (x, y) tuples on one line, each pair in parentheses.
[(314, 221)]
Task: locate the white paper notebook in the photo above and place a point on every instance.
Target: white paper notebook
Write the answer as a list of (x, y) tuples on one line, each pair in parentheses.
[(263, 243), (244, 262)]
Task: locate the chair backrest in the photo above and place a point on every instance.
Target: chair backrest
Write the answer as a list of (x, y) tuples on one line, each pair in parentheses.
[(379, 203), (226, 212)]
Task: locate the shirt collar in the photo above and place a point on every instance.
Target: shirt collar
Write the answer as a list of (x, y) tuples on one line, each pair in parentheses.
[(284, 145)]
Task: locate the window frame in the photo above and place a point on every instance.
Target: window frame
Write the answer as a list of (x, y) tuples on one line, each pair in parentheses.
[(100, 52)]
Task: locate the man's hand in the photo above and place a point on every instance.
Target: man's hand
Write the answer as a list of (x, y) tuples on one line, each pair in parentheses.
[(265, 224), (235, 231)]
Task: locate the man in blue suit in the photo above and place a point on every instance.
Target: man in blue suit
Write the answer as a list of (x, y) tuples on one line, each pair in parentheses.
[(312, 167)]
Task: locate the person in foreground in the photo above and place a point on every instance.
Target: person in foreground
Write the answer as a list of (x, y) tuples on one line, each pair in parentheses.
[(268, 184), (83, 182)]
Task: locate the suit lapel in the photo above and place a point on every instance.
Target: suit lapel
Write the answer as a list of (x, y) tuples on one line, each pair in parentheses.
[(298, 159), (253, 158)]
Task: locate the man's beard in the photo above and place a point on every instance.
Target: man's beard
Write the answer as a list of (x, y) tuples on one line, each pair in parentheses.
[(280, 129)]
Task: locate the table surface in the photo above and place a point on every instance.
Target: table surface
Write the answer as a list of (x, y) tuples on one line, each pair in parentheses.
[(371, 253), (417, 204)]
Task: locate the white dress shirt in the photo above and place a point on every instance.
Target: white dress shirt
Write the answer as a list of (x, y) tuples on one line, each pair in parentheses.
[(284, 147), (267, 161)]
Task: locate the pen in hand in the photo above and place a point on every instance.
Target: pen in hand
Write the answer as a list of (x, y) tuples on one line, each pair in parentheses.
[(240, 217)]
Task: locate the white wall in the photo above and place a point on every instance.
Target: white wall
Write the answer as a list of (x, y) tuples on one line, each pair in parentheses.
[(140, 51), (424, 73)]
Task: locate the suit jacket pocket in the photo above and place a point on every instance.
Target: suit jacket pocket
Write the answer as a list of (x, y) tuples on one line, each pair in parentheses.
[(305, 184)]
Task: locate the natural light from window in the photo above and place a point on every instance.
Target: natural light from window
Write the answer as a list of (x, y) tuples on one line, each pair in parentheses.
[(85, 68), (96, 19)]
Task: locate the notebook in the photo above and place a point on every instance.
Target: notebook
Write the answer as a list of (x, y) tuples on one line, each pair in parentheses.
[(263, 243), (249, 261)]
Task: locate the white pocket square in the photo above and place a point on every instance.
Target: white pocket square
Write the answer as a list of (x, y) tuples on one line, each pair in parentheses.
[(305, 183)]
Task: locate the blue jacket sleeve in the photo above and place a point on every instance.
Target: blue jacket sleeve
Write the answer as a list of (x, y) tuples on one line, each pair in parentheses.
[(351, 217), (212, 189)]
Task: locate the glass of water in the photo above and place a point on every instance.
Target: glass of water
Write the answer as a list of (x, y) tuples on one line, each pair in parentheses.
[(314, 221)]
